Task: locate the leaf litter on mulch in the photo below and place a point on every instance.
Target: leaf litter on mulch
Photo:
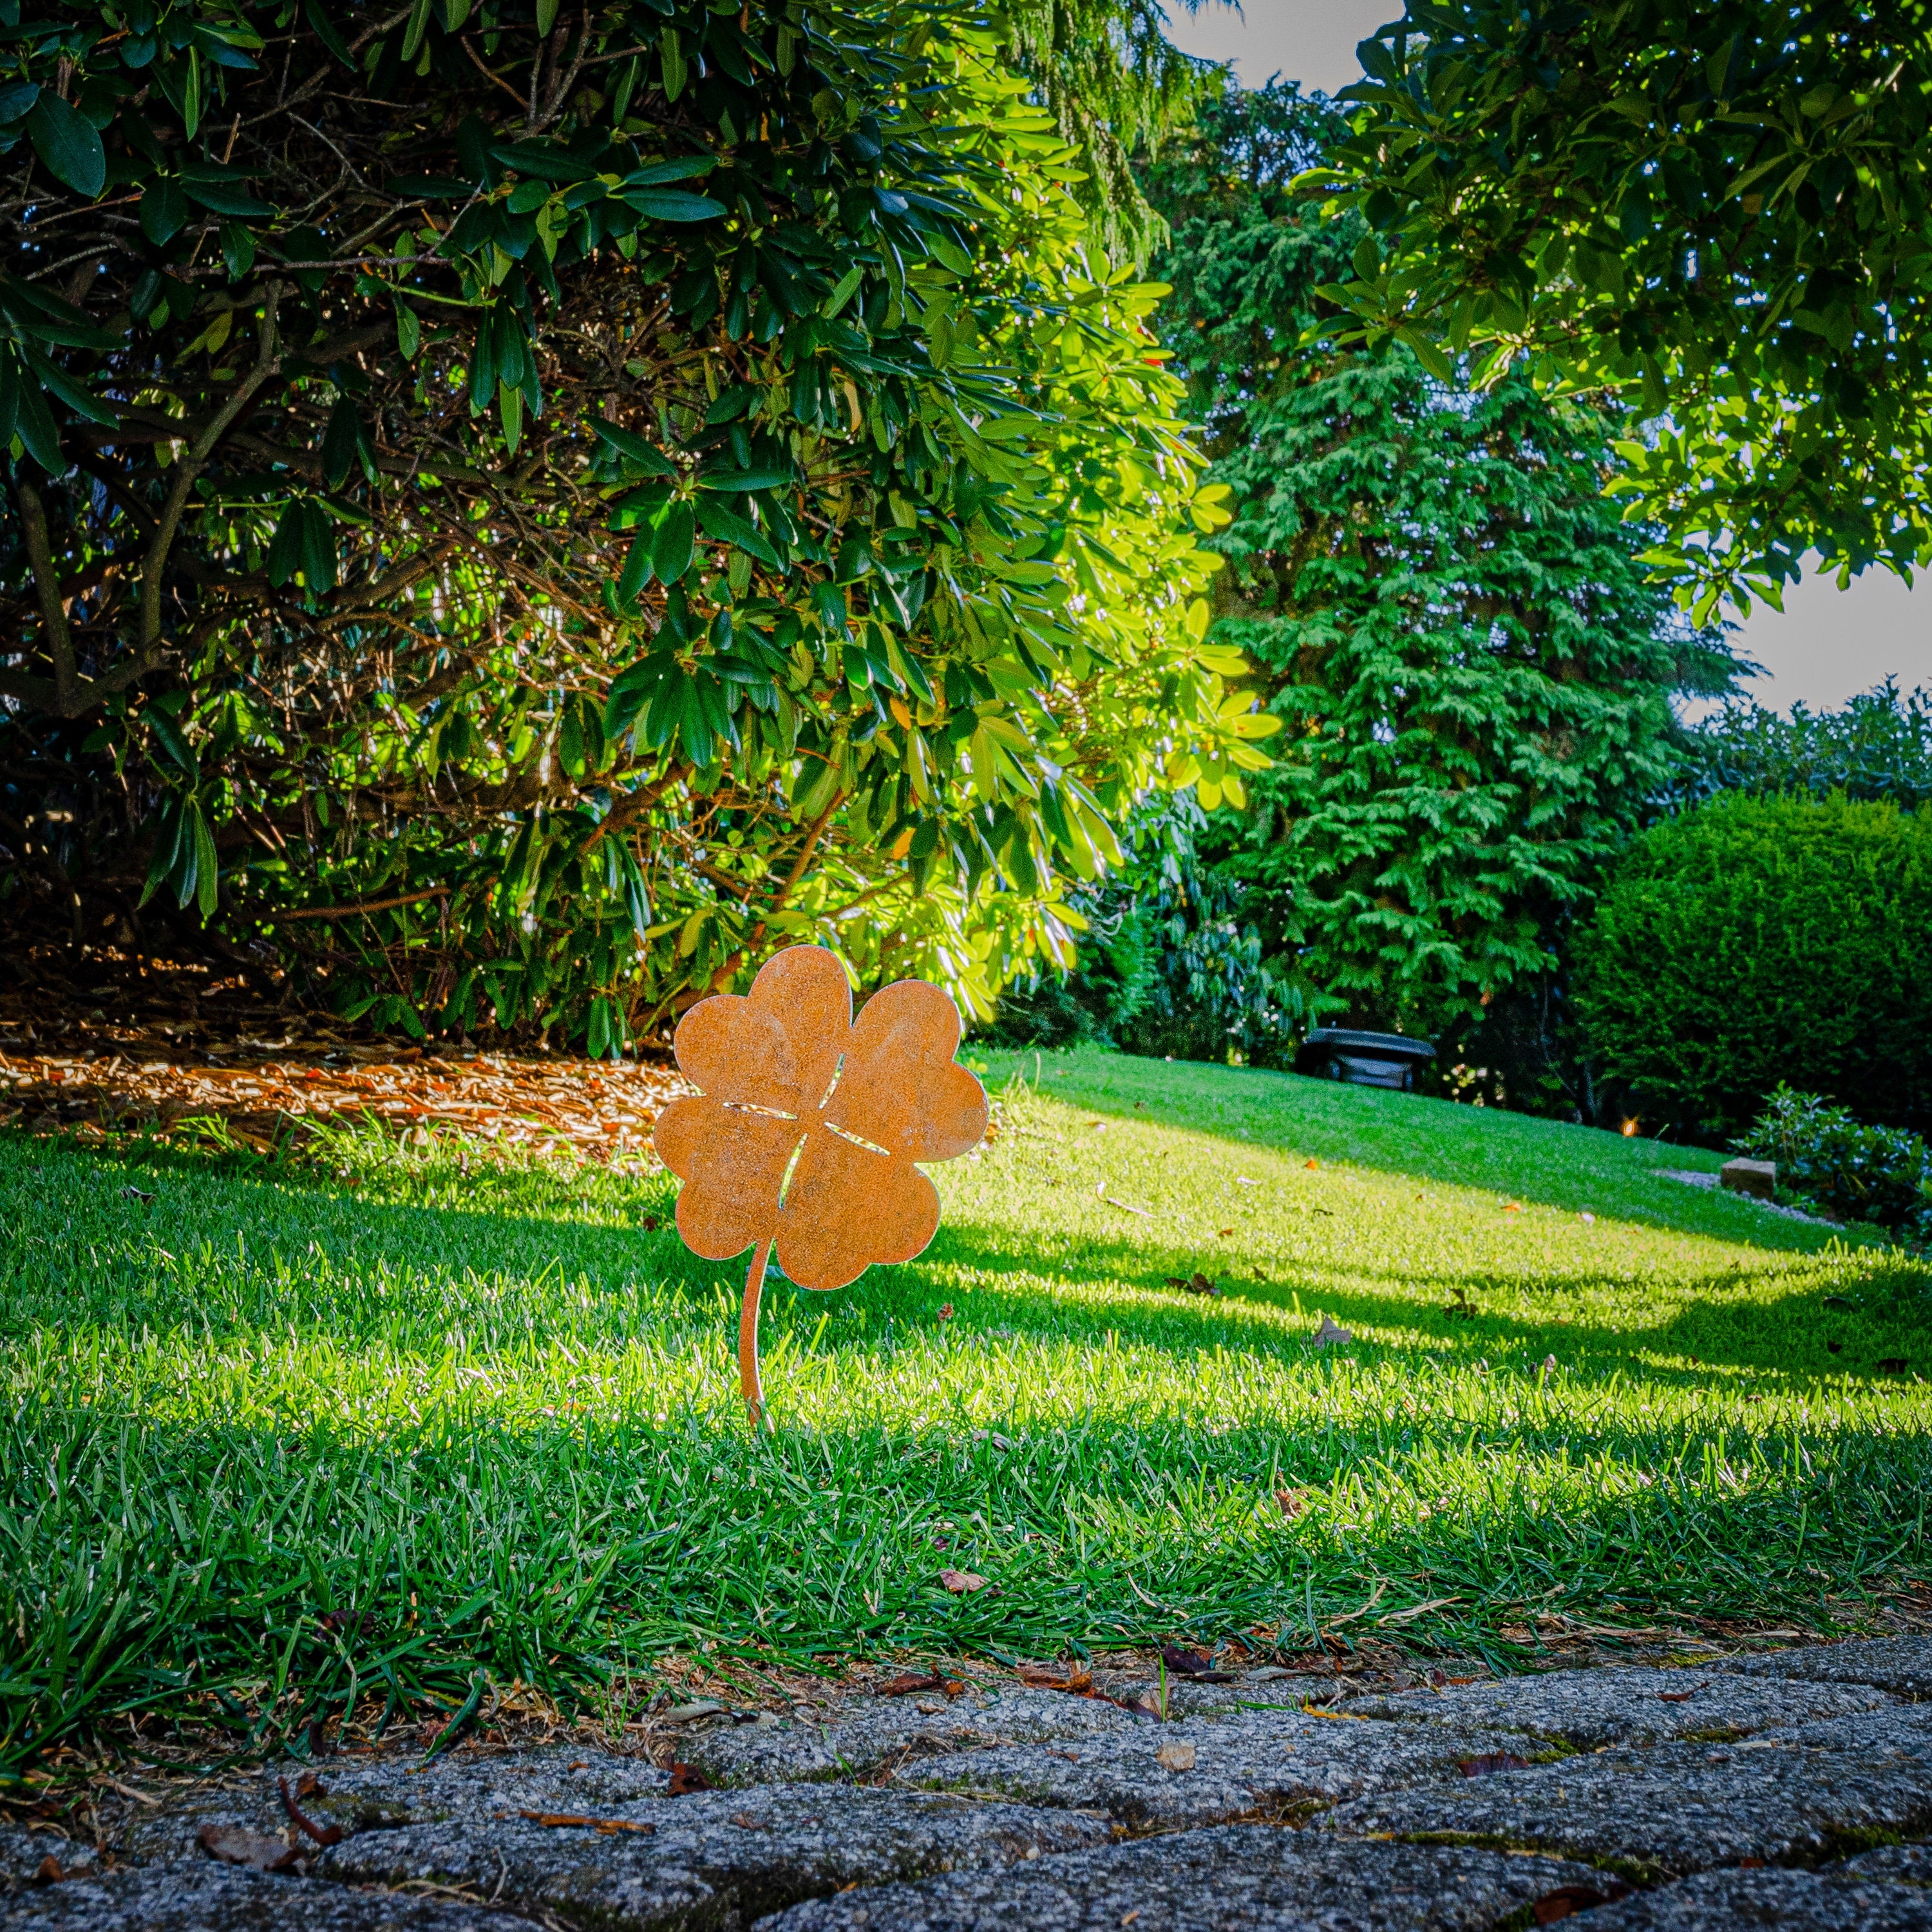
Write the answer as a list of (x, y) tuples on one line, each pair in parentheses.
[(148, 1053)]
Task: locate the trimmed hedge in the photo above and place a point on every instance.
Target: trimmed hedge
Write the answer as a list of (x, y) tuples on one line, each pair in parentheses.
[(1757, 941)]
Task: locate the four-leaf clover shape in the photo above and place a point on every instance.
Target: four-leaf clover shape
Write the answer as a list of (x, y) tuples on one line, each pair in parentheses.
[(808, 1126)]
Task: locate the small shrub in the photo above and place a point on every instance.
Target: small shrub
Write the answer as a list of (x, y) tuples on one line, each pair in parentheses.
[(1757, 942), (1828, 1159), (1879, 745)]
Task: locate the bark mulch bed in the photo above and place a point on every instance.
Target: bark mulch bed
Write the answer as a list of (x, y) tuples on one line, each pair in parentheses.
[(117, 1045)]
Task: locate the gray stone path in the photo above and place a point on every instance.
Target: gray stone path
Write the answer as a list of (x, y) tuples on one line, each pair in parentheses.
[(1792, 1790)]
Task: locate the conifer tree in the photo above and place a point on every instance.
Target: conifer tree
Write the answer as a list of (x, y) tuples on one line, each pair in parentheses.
[(1473, 670)]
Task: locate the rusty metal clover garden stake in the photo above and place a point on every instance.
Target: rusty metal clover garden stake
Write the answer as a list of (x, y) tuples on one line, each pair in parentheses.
[(806, 1126)]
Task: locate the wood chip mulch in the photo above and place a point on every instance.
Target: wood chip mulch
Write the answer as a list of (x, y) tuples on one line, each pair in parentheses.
[(134, 1055)]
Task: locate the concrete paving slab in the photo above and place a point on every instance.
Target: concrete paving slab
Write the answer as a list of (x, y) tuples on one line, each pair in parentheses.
[(210, 1898), (1789, 1901), (894, 1729), (1899, 1865), (1620, 1706), (1252, 1878), (24, 1856), (371, 1793), (716, 1857), (1801, 1796), (592, 1836), (1902, 1665), (1177, 1776)]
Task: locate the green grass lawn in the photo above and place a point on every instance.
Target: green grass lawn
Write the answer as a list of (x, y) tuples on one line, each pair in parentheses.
[(272, 1440)]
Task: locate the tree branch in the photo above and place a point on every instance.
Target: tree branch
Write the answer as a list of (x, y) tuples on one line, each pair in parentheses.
[(46, 584), (367, 905), (267, 363)]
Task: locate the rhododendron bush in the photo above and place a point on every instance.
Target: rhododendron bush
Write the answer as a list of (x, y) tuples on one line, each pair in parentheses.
[(518, 515)]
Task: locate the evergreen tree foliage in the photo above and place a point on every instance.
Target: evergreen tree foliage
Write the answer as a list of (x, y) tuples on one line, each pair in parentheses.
[(1878, 746), (1472, 669), (1116, 86)]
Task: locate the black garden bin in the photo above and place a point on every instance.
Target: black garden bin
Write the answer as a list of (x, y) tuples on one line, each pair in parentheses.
[(1362, 1059)]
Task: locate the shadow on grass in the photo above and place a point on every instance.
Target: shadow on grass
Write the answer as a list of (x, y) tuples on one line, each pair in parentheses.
[(288, 1569), (1721, 1319)]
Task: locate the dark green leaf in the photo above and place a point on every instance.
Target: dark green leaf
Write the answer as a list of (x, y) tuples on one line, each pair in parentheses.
[(168, 735), (729, 527), (221, 198), (739, 480), (318, 550), (70, 392), (665, 204), (164, 210), (238, 250), (315, 12), (66, 143), (652, 461), (638, 567), (671, 552), (660, 172), (341, 444)]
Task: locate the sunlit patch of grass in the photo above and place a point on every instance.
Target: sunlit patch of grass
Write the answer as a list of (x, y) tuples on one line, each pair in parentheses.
[(370, 1420)]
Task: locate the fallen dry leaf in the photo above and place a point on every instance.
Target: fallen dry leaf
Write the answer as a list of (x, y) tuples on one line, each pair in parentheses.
[(1491, 1762), (746, 1821), (684, 1781), (1195, 1663), (329, 1834), (1568, 1899), (961, 1582), (1175, 1757), (946, 1311), (901, 1686), (1332, 1335), (1676, 1696), (607, 1825), (232, 1846), (1311, 1161), (704, 1707), (48, 1871), (1291, 1502), (1224, 1232), (1079, 1682)]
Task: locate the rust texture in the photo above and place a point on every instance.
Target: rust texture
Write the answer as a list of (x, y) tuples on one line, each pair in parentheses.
[(807, 1127)]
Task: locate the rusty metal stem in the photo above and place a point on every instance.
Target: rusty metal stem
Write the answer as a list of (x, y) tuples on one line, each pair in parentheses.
[(748, 1333)]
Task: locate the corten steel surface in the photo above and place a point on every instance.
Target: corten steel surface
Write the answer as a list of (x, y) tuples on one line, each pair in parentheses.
[(806, 1125)]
